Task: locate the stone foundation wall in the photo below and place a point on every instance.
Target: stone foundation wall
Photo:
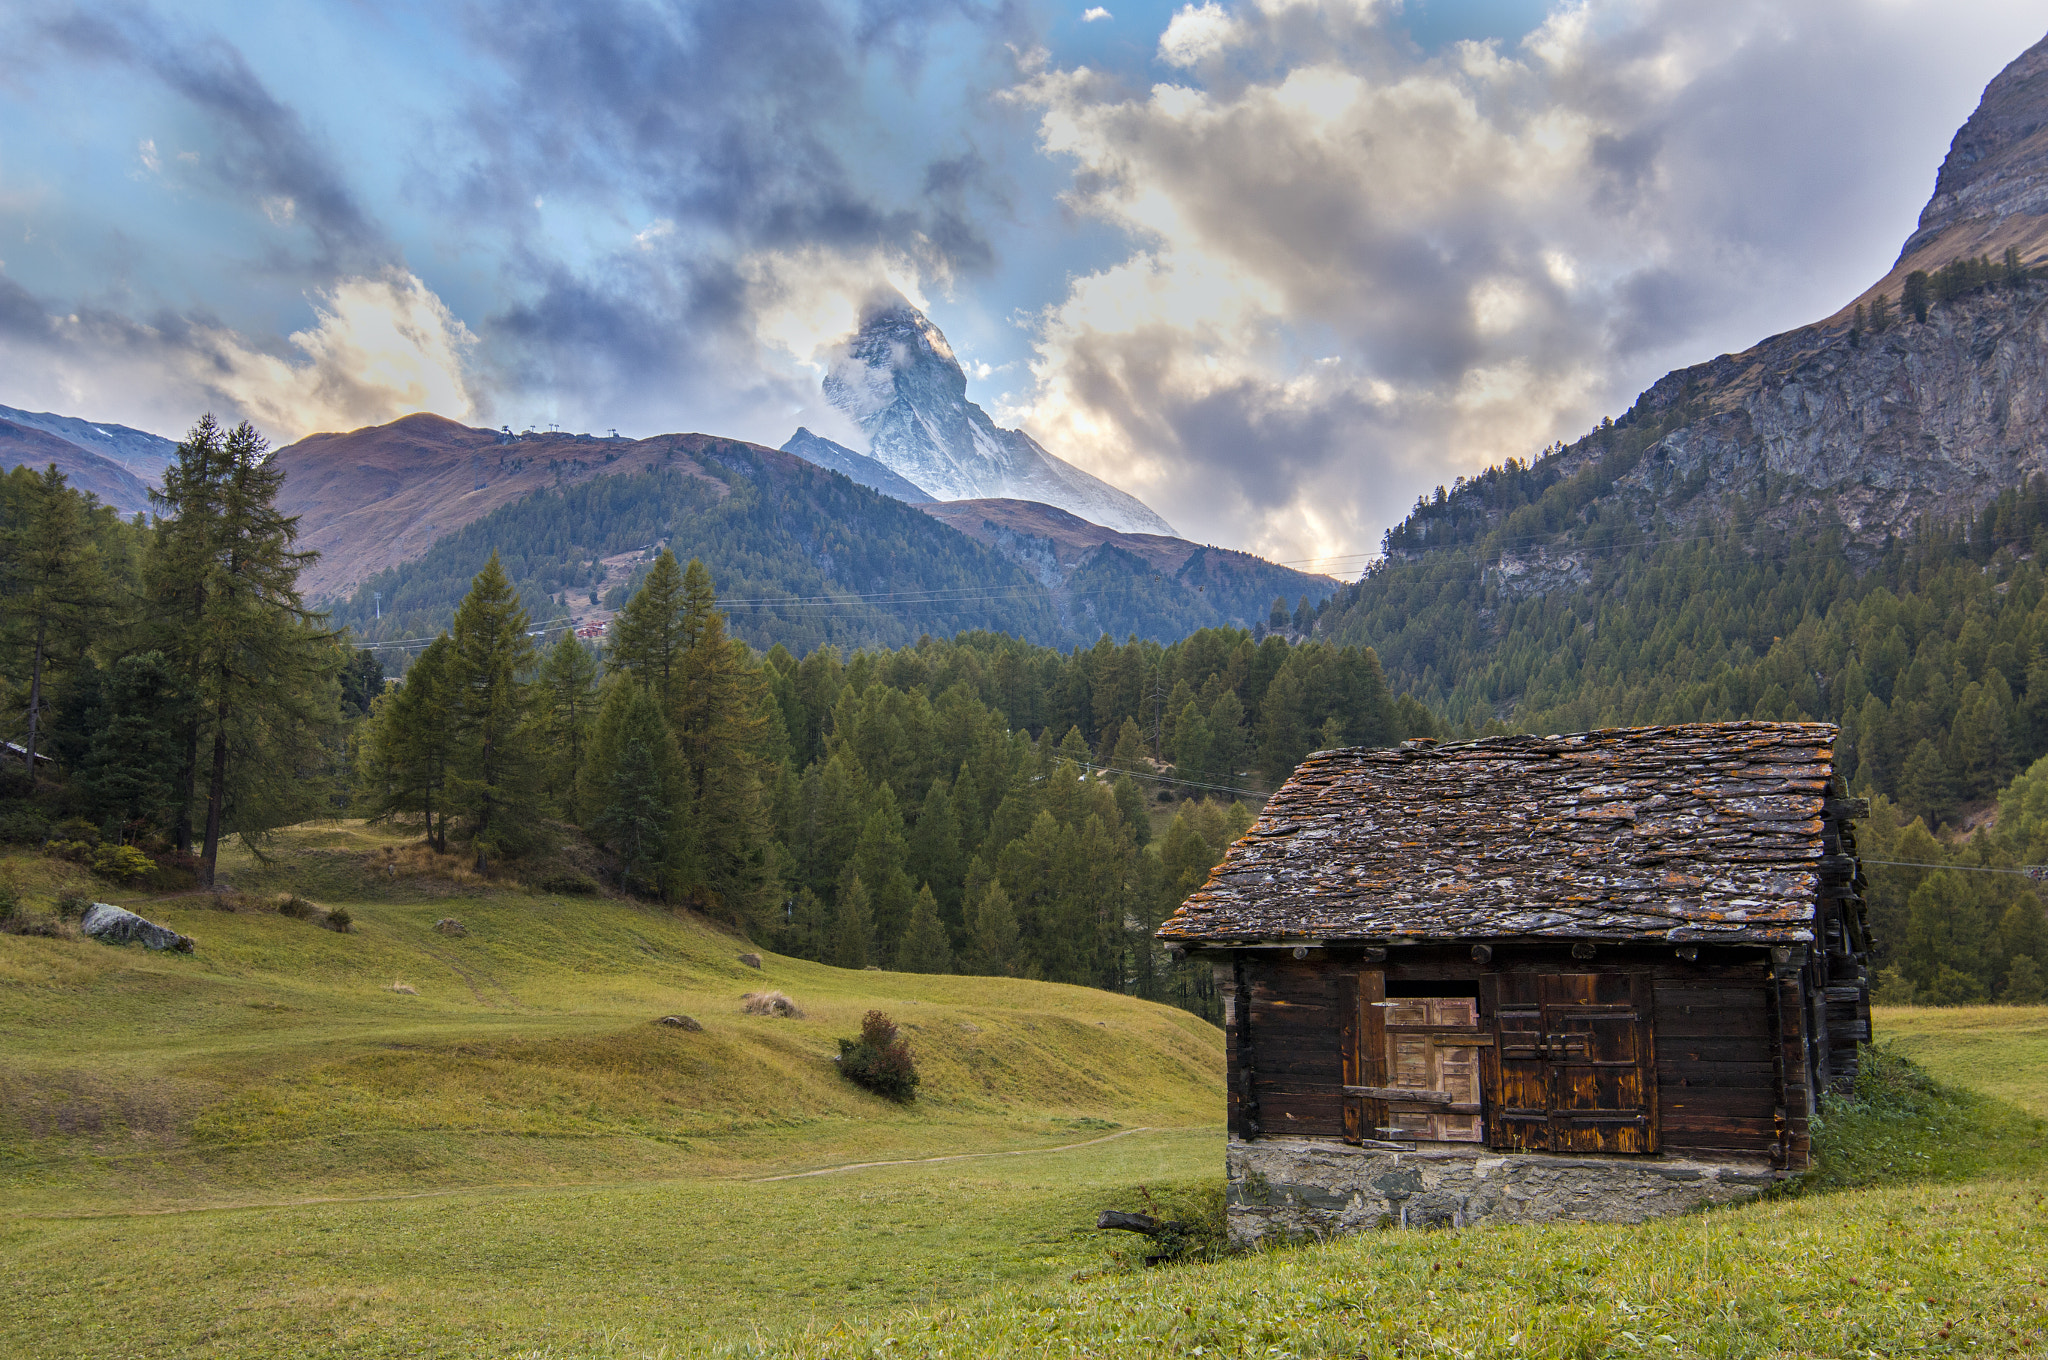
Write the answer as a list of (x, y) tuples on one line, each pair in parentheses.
[(1290, 1188)]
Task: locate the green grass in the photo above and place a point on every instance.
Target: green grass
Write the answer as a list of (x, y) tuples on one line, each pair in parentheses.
[(1999, 1050), (260, 1149)]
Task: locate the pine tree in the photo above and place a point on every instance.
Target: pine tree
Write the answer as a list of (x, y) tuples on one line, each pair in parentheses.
[(633, 776), (993, 950), (1130, 805), (650, 634), (494, 777), (882, 857), (1130, 750), (853, 923), (1191, 745), (925, 948), (55, 589), (175, 584), (404, 750), (266, 667), (131, 772), (716, 711), (1880, 314), (936, 859), (568, 698), (1914, 297)]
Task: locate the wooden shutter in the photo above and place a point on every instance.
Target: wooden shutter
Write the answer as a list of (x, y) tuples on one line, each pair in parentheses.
[(1413, 1069), (1574, 1063), (1364, 1059)]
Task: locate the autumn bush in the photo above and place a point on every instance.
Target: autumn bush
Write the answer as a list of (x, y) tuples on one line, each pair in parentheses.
[(879, 1059)]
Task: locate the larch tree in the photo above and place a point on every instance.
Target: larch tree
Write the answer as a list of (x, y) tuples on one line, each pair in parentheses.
[(404, 751), (494, 776), (55, 587), (568, 699), (266, 669)]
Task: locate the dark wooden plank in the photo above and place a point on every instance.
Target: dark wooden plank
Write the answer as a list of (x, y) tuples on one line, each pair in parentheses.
[(1734, 1102), (1756, 1073), (1713, 1048)]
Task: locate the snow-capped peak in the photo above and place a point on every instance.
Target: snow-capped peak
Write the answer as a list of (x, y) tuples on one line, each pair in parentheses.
[(898, 379)]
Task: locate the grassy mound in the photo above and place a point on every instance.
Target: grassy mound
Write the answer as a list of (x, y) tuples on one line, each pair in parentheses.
[(283, 1059)]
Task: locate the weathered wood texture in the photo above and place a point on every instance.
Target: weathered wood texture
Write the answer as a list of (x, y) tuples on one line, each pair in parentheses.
[(1710, 832), (1711, 1079)]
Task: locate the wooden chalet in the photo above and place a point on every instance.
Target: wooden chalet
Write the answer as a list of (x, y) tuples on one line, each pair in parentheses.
[(1641, 942)]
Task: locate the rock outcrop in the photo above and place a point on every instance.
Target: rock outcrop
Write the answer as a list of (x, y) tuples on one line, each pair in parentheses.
[(110, 924), (1873, 430)]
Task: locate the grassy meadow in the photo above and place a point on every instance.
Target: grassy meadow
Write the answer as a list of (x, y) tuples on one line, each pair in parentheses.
[(396, 1141)]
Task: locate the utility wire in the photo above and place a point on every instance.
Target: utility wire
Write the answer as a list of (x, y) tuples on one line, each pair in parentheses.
[(1166, 779)]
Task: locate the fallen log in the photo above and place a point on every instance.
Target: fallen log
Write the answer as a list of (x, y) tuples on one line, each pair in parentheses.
[(1137, 1223)]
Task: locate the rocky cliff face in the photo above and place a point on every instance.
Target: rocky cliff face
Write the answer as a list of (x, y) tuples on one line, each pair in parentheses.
[(1873, 431), (900, 382)]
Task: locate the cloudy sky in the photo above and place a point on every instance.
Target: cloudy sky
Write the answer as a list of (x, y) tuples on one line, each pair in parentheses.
[(1276, 266)]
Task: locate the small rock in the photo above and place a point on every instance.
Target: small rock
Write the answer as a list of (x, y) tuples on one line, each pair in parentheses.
[(771, 1003), (680, 1022), (448, 925), (110, 924), (751, 960)]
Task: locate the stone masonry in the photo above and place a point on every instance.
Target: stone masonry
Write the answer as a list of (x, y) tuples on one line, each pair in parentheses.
[(1291, 1188)]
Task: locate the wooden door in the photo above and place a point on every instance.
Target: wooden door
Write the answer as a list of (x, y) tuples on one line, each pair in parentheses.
[(1412, 1068), (1574, 1065)]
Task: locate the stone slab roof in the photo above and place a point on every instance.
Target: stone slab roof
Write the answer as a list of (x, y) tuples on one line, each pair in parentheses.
[(1706, 832)]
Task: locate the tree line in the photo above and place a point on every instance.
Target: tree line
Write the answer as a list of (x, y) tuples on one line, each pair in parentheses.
[(975, 805), (167, 663)]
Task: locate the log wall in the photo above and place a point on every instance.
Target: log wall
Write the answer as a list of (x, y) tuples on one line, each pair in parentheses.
[(1735, 1042)]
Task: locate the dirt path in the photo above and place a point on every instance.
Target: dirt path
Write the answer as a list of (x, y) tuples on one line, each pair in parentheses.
[(518, 1188)]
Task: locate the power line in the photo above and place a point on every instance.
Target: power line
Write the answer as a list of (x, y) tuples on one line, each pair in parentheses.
[(1167, 779)]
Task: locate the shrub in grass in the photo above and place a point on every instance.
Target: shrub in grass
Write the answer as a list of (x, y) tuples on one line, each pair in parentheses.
[(569, 885), (71, 906), (10, 901), (879, 1059), (339, 919), (75, 829), (296, 907), (120, 863)]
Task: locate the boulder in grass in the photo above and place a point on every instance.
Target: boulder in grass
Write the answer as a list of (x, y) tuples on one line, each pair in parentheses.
[(680, 1022), (448, 925), (751, 960), (110, 924), (771, 1003)]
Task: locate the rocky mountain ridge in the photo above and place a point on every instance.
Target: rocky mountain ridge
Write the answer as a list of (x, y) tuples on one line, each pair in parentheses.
[(1873, 430), (118, 464)]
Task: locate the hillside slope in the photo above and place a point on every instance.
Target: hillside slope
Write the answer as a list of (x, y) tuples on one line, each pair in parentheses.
[(374, 497), (29, 446), (278, 1056), (1149, 584), (800, 555)]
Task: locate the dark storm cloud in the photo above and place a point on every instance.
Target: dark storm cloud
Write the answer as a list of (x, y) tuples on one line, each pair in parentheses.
[(262, 149), (717, 132)]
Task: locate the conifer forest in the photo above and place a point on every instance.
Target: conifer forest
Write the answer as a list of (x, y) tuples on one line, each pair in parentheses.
[(980, 804)]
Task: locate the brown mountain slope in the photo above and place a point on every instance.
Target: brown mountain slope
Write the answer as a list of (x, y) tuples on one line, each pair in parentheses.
[(85, 470), (372, 498), (1048, 541)]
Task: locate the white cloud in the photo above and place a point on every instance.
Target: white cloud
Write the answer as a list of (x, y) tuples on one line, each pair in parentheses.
[(1196, 32), (656, 230), (1354, 270), (1095, 15), (147, 151), (282, 210), (379, 348)]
